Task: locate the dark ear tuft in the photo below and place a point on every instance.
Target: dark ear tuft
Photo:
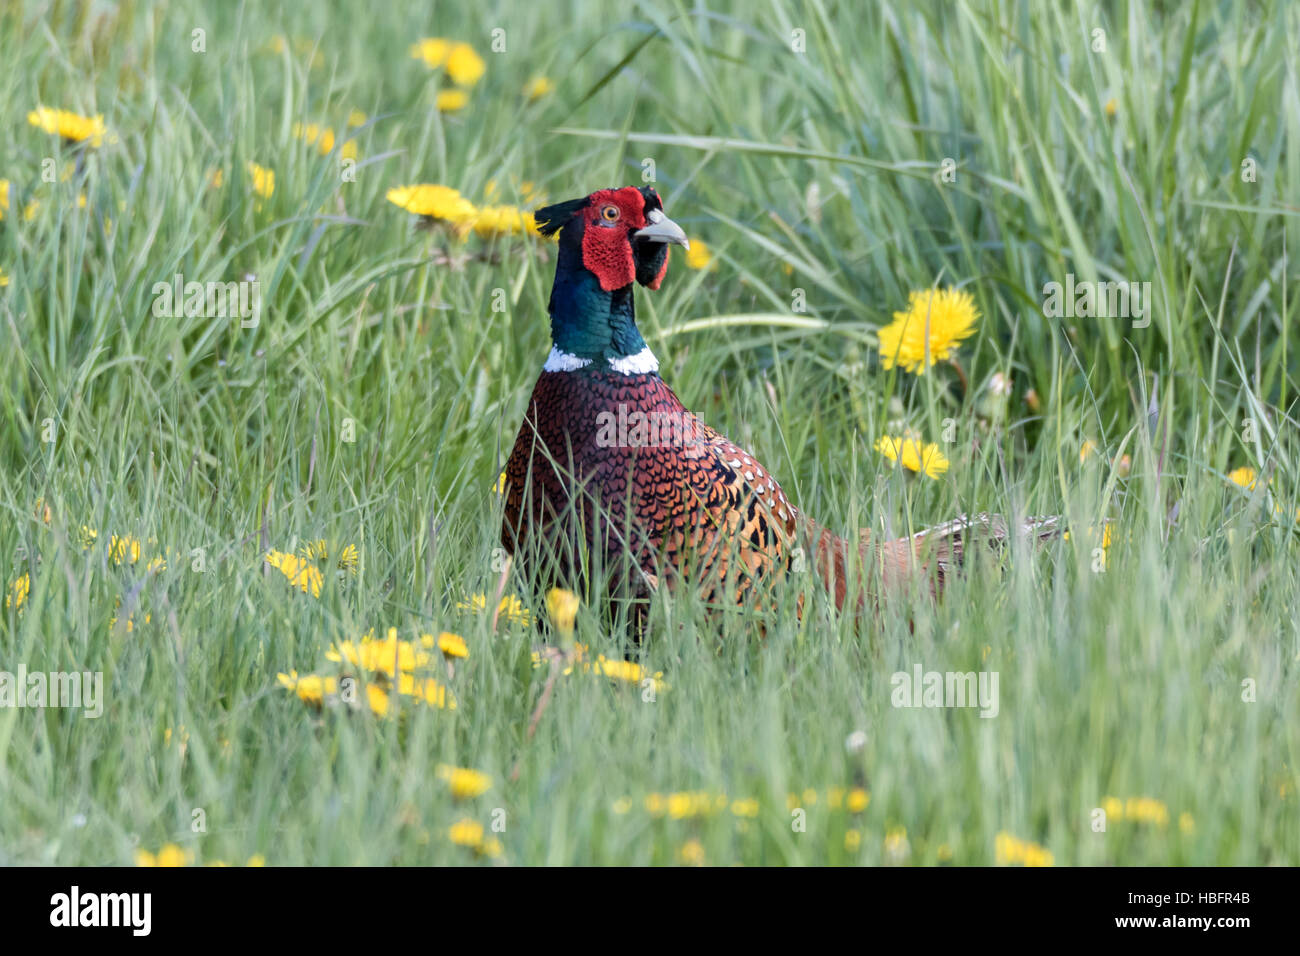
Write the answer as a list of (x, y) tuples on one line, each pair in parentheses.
[(551, 219)]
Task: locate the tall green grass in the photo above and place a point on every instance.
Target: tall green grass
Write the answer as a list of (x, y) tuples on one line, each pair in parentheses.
[(819, 171)]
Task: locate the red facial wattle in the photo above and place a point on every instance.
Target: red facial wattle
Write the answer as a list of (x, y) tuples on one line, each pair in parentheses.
[(606, 251), (607, 254)]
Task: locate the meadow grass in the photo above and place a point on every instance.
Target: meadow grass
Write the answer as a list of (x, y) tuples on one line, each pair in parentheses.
[(1164, 670)]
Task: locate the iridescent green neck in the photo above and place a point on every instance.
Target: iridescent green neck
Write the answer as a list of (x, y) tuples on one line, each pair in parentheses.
[(587, 321)]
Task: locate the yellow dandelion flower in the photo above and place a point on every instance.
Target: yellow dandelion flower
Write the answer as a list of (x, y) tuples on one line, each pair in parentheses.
[(509, 608), (263, 180), (699, 255), (692, 853), (537, 87), (655, 804), (172, 855), (1146, 810), (434, 202), (124, 550), (1087, 450), (628, 671), (464, 65), (1036, 855), (348, 557), (4, 279), (310, 688), (303, 575), (426, 690), (1009, 849), (746, 807), (943, 853), (316, 550), (1111, 106), (357, 118), (622, 806), (503, 221), (452, 645), (680, 806), (16, 596), (387, 656), (852, 840), (929, 331), (1244, 476), (377, 700), (915, 456), (216, 178), (476, 602), (313, 135), (432, 50), (73, 127), (464, 783), (857, 800), (323, 139), (4, 197), (466, 832), (449, 101), (562, 608)]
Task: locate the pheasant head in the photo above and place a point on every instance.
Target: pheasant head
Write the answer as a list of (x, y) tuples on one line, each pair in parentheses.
[(607, 241)]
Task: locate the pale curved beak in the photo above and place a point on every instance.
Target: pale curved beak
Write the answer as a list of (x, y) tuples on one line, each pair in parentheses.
[(662, 229)]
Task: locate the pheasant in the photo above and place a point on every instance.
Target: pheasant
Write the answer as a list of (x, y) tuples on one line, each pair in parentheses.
[(611, 472)]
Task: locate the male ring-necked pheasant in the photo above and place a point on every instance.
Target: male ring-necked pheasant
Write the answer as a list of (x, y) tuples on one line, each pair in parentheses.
[(610, 469)]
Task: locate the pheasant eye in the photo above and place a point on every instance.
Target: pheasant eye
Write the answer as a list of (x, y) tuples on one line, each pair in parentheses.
[(609, 213)]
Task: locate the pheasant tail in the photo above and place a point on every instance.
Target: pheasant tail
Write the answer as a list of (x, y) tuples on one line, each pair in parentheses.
[(894, 568)]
